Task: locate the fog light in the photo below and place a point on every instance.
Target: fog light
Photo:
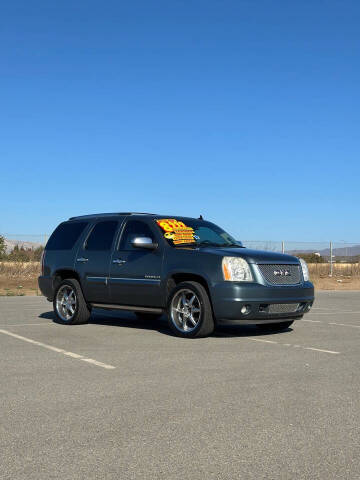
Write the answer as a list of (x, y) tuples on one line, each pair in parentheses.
[(245, 309)]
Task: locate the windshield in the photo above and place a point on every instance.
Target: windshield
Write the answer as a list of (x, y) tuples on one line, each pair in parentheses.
[(181, 232)]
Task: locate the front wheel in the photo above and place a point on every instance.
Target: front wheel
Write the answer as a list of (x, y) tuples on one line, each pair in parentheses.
[(189, 311), (275, 326)]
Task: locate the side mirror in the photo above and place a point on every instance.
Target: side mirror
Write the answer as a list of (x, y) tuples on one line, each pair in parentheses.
[(143, 242)]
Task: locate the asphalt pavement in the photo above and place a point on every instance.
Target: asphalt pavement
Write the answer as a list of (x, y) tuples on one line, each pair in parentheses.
[(123, 399)]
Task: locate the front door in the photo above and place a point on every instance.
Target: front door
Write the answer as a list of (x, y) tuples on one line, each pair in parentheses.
[(93, 261), (135, 273)]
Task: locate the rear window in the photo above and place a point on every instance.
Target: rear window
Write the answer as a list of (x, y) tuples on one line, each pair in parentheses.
[(65, 236), (102, 235)]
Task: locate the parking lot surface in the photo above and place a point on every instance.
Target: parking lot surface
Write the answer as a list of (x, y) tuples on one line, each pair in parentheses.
[(123, 399)]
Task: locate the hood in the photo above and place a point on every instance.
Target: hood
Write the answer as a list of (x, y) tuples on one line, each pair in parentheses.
[(252, 256)]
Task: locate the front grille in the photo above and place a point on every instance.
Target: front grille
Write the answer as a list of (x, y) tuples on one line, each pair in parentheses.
[(281, 274), (283, 307)]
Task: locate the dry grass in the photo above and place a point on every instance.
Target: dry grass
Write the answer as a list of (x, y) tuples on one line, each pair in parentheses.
[(20, 278), (339, 269), (334, 283), (346, 276)]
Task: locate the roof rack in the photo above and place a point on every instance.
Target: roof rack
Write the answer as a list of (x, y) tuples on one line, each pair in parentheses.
[(136, 213), (111, 214)]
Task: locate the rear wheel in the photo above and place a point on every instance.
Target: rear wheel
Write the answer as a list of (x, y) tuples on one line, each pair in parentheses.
[(189, 311), (69, 304), (275, 326)]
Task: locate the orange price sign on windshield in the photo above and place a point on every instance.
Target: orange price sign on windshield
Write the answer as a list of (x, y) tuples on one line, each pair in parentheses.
[(176, 230)]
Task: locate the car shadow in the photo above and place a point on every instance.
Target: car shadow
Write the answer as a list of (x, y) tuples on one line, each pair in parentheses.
[(130, 320), (120, 319)]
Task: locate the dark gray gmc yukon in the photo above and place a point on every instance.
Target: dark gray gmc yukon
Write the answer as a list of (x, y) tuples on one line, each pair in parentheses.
[(189, 268)]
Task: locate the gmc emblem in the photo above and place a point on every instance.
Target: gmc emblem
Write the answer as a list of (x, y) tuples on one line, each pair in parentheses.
[(282, 273)]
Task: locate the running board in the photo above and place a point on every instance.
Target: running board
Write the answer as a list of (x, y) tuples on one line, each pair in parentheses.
[(131, 308)]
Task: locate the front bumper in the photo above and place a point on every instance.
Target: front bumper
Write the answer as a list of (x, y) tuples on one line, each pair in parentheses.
[(228, 298)]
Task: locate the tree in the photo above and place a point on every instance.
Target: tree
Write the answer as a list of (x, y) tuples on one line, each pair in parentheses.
[(21, 254), (311, 257), (2, 246)]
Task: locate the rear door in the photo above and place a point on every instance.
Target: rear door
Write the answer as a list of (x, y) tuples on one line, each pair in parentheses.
[(135, 273), (93, 260)]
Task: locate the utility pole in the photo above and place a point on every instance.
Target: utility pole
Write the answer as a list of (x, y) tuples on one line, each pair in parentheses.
[(283, 247), (331, 259)]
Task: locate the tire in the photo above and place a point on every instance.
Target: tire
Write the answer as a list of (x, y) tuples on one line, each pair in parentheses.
[(81, 312), (147, 316), (275, 326), (189, 311)]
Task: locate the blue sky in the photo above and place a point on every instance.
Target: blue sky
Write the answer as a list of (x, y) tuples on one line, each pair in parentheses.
[(247, 112)]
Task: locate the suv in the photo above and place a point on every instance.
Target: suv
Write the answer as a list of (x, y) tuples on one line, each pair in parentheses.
[(189, 268)]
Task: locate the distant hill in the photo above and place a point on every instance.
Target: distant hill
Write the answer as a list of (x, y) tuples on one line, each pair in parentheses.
[(338, 252), (10, 245)]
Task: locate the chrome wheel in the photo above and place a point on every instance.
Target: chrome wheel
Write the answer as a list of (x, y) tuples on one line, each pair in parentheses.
[(185, 310), (66, 303)]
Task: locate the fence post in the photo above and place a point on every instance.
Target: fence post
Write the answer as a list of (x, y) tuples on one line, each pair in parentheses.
[(331, 259), (283, 247)]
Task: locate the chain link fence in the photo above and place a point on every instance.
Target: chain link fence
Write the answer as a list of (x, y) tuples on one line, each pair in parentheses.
[(339, 248), (327, 252), (19, 238)]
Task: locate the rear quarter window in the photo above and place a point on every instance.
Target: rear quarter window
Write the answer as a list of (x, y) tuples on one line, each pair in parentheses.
[(102, 235), (66, 235)]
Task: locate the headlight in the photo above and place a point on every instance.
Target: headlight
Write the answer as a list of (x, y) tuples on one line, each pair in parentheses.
[(305, 270), (236, 269)]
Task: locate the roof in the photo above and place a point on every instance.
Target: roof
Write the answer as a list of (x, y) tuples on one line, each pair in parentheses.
[(116, 214), (126, 214), (111, 214)]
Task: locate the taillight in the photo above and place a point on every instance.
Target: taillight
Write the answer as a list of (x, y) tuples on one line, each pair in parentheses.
[(42, 262)]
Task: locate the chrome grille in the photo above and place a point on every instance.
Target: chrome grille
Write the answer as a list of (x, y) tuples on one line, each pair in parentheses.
[(279, 274), (283, 307)]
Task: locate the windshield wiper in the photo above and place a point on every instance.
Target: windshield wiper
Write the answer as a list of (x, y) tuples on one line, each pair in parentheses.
[(232, 245), (213, 244), (190, 244), (207, 243)]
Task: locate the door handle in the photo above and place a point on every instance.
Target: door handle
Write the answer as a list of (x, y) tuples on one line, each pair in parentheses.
[(118, 261), (82, 260)]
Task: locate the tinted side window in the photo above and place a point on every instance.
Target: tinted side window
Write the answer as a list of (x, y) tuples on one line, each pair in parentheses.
[(132, 230), (65, 236), (102, 236)]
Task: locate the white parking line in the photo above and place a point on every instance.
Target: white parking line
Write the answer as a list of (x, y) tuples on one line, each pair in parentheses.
[(334, 313), (95, 362), (262, 340), (333, 323), (320, 308), (293, 345), (345, 325), (25, 324), (58, 350), (321, 350)]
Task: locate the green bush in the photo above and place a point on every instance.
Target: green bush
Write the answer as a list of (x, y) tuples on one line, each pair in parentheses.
[(21, 254), (311, 258), (2, 247)]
